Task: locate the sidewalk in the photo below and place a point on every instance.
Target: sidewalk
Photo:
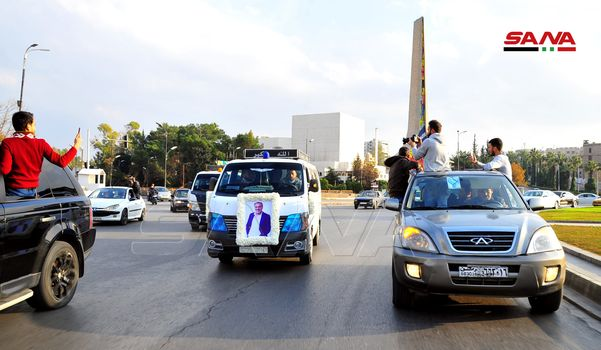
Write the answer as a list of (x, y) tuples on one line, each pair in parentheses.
[(583, 280)]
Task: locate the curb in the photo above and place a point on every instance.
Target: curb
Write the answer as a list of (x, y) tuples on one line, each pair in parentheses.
[(583, 285), (582, 254)]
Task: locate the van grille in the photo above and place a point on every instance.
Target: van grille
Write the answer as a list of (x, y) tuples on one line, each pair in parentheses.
[(474, 241), (231, 222)]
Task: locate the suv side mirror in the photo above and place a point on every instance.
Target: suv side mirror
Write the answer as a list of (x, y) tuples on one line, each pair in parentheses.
[(392, 204), (313, 185), (212, 183)]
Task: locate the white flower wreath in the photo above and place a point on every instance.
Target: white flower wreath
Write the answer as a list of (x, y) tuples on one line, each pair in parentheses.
[(273, 237)]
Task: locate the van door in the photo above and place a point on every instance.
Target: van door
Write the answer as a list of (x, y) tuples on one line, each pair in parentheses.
[(314, 201)]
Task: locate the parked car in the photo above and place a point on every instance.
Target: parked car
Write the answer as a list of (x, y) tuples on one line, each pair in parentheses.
[(369, 199), (117, 204), (44, 241), (164, 193), (586, 198), (449, 241), (567, 198), (542, 199), (179, 199)]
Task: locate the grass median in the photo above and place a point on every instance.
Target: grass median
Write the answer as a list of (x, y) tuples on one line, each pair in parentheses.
[(573, 214), (583, 237)]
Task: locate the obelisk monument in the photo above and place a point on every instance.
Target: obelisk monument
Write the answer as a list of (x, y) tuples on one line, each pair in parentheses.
[(417, 91)]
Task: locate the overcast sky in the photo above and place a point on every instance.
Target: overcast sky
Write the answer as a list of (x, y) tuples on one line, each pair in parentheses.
[(252, 64)]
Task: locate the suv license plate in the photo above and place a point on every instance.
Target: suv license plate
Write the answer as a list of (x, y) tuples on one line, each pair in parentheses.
[(253, 250), (484, 271)]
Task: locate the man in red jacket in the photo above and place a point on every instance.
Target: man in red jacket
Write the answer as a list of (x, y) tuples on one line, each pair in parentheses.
[(21, 156)]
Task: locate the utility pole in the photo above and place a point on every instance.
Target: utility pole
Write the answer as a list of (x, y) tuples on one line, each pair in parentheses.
[(29, 48)]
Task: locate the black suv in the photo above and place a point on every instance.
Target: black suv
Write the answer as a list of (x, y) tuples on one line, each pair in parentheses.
[(44, 241)]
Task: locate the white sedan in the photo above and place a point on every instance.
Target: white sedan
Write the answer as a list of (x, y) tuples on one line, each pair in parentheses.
[(542, 199), (586, 198), (117, 204)]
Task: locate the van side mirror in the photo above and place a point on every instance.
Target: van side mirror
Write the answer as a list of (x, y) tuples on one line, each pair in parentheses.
[(212, 183), (313, 185), (392, 204)]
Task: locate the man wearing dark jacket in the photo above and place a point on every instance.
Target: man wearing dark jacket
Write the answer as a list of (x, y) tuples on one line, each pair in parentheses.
[(398, 177)]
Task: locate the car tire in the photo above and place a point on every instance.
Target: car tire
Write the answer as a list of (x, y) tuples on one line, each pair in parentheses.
[(142, 215), (124, 218), (194, 227), (226, 259), (574, 203), (556, 205), (172, 209), (545, 304), (47, 297), (356, 206), (402, 297)]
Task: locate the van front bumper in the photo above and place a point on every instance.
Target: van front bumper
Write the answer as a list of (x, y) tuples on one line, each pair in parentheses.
[(225, 244)]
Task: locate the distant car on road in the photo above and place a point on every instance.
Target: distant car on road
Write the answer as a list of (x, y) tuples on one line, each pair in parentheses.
[(567, 198), (597, 202), (542, 199), (369, 199), (586, 199), (449, 241), (179, 200), (163, 193), (117, 204)]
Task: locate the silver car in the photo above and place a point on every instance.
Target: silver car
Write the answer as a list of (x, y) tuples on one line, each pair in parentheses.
[(471, 232)]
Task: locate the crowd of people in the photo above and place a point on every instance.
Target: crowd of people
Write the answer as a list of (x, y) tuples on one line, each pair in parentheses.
[(429, 155)]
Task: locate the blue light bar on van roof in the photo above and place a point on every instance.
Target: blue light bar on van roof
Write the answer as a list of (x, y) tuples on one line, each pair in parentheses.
[(275, 153)]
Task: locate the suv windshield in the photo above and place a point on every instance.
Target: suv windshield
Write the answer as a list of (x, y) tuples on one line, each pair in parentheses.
[(463, 192), (201, 183), (109, 193), (284, 178)]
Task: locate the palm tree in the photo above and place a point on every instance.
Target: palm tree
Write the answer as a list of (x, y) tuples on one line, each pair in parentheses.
[(574, 163), (593, 167), (535, 157)]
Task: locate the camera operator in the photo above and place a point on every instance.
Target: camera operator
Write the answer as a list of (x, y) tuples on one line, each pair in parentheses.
[(400, 172), (432, 149)]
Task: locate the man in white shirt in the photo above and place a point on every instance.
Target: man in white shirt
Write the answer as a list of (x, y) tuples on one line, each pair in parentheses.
[(259, 223), (500, 162), (432, 149)]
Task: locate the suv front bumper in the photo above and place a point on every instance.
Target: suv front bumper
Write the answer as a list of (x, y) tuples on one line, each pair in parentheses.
[(439, 273)]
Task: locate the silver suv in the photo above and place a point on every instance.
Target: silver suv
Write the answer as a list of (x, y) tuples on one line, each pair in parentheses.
[(471, 232)]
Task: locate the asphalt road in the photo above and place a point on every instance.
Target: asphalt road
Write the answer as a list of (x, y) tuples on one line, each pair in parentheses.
[(151, 285)]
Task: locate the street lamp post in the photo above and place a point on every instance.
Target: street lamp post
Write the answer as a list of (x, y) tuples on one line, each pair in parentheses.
[(307, 145), (458, 134), (166, 154), (29, 48), (112, 165)]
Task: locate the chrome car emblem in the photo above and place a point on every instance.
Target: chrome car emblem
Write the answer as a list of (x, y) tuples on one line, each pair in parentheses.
[(481, 240)]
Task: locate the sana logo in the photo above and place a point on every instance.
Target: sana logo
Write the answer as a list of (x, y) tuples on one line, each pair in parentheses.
[(527, 41)]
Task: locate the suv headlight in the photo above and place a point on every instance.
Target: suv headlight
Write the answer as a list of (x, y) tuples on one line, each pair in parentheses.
[(416, 239), (543, 240), (112, 207)]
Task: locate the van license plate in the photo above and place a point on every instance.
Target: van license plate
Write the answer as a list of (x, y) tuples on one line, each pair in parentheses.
[(484, 271), (253, 250)]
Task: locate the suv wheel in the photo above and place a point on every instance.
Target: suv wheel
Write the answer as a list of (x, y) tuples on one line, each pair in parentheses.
[(58, 278), (544, 304), (402, 297), (124, 217)]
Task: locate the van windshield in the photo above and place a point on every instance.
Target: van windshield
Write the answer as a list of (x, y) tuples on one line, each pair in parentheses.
[(284, 178), (201, 183)]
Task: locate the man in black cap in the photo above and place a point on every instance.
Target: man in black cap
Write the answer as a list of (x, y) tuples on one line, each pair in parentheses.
[(398, 177)]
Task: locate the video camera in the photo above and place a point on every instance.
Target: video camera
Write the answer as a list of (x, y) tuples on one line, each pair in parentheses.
[(412, 138)]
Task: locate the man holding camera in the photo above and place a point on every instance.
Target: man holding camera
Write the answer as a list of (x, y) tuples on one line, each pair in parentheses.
[(400, 172), (432, 149), (500, 162)]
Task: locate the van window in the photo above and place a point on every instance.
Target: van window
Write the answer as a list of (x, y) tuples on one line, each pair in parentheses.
[(201, 183), (287, 179)]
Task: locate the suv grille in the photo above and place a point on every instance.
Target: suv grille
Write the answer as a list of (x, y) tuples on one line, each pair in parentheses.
[(231, 222), (472, 241)]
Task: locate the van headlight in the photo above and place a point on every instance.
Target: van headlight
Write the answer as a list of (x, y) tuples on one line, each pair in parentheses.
[(296, 222), (416, 239), (112, 207), (194, 206), (543, 240), (217, 223)]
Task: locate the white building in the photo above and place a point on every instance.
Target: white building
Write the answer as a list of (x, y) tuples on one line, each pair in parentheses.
[(275, 142), (368, 148), (91, 179), (332, 140)]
